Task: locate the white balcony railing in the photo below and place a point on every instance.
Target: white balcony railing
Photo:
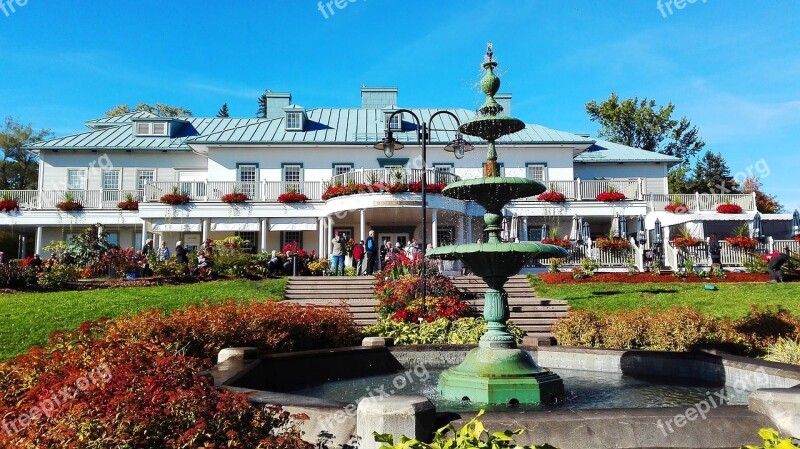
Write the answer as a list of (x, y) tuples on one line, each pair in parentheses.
[(392, 176), (581, 190), (701, 201)]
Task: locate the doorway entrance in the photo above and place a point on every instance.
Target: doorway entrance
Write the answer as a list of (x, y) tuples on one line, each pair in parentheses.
[(394, 237)]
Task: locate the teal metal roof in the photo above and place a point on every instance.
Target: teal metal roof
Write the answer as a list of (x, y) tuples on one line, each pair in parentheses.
[(122, 137), (364, 126), (603, 151), (117, 120)]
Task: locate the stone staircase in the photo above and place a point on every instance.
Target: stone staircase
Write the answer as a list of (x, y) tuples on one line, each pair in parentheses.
[(532, 314)]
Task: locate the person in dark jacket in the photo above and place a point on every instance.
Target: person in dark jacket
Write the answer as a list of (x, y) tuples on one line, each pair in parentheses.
[(775, 262), (36, 263), (182, 256), (369, 254), (714, 249)]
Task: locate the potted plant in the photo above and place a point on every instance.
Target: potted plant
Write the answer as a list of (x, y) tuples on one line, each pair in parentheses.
[(742, 239), (175, 198), (610, 242), (728, 208), (129, 203), (552, 197), (70, 203), (554, 240), (685, 239), (676, 205), (292, 197), (235, 197), (8, 203), (611, 195)]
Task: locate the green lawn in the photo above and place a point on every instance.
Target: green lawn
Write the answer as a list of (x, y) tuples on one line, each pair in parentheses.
[(26, 319), (731, 300)]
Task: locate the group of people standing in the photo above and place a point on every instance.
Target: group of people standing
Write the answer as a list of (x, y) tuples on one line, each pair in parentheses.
[(369, 254), (162, 254)]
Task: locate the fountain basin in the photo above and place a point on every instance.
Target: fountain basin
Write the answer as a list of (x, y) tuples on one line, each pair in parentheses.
[(503, 259), (493, 192)]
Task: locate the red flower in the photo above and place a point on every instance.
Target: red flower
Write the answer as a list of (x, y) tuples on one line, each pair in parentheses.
[(552, 197), (234, 198), (685, 242), (729, 209), (128, 205), (797, 238), (292, 197), (8, 205), (610, 197), (69, 206), (677, 208), (563, 243), (615, 243), (174, 199), (742, 242)]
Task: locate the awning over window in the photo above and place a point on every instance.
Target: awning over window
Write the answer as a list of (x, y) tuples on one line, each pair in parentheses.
[(293, 224), (238, 225), (177, 227)]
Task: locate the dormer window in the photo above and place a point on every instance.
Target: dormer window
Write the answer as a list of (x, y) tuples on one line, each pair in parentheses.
[(146, 128), (294, 121), (395, 123)]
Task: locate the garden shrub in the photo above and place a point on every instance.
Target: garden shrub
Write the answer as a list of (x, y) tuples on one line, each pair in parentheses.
[(754, 264), (153, 393), (88, 247), (440, 331), (784, 350), (761, 328), (58, 277), (580, 328), (12, 275), (678, 329), (625, 330)]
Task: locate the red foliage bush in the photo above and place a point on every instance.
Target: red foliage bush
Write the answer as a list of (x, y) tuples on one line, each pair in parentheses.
[(729, 209), (381, 187), (292, 197), (552, 197), (234, 198), (677, 208), (610, 197), (742, 242), (152, 393), (174, 199), (128, 205), (563, 243), (69, 206), (686, 242), (8, 205), (611, 244), (641, 278)]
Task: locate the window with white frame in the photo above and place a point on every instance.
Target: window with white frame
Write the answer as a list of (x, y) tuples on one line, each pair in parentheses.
[(247, 175), (159, 129), (291, 237), (292, 176), (396, 122), (537, 172), (110, 179), (76, 179), (144, 177), (442, 172), (340, 169), (151, 128), (294, 121)]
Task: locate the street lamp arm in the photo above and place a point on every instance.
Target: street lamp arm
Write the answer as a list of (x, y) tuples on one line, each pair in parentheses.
[(412, 114), (430, 121)]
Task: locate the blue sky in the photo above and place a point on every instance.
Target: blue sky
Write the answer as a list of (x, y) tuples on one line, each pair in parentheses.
[(732, 66)]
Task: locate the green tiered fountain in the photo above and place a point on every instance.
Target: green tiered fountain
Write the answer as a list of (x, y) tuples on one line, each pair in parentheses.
[(497, 372)]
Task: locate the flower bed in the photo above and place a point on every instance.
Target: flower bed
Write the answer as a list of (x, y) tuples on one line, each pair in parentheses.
[(742, 242), (686, 242), (677, 208), (380, 187), (175, 199), (69, 206), (8, 205), (128, 205), (643, 278), (729, 209), (552, 197), (611, 243), (563, 243), (610, 197), (292, 197), (234, 198)]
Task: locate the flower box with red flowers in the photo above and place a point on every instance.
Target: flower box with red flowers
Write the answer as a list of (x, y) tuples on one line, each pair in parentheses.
[(292, 197), (742, 242), (128, 205), (729, 209), (69, 206), (8, 205), (552, 197), (610, 197), (563, 243), (686, 242), (797, 238), (436, 187), (677, 208), (234, 198), (611, 244), (175, 199)]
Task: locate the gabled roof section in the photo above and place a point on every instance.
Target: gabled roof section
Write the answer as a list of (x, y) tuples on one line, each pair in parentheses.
[(338, 126), (603, 151), (122, 138), (117, 120)]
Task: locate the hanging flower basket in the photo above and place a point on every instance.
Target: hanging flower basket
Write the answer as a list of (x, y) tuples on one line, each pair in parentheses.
[(610, 197), (552, 197), (677, 208), (236, 198), (292, 197), (729, 209), (69, 206), (612, 244), (686, 242), (175, 199), (128, 205), (8, 205), (742, 242), (563, 243)]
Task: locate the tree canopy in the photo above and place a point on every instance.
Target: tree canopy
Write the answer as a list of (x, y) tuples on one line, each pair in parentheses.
[(766, 204), (262, 106), (19, 169), (159, 109), (711, 174)]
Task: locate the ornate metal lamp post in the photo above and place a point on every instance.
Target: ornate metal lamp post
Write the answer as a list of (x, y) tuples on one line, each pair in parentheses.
[(458, 147)]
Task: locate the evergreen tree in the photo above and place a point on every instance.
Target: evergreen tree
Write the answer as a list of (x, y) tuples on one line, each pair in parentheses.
[(262, 106), (223, 111), (712, 175)]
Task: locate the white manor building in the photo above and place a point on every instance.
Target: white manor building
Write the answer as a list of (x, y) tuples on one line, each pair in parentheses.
[(307, 150)]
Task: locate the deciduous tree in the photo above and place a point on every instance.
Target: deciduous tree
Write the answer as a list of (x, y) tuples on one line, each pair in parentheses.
[(159, 109), (766, 204), (19, 169)]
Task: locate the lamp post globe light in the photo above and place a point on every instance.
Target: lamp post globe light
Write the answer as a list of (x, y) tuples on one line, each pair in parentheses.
[(458, 146)]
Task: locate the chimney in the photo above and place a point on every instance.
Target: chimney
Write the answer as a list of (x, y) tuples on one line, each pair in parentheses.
[(276, 101), (378, 97), (504, 100)]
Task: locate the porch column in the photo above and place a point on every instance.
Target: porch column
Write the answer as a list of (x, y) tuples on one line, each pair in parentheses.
[(329, 243), (206, 226), (144, 233), (321, 239), (434, 228), (363, 225), (264, 229), (38, 245), (524, 229), (460, 225)]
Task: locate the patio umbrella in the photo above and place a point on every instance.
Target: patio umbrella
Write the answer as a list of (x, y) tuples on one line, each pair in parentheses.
[(504, 233), (575, 232), (586, 234), (615, 225), (796, 223), (623, 227), (514, 233), (641, 235), (658, 238), (545, 231), (758, 231)]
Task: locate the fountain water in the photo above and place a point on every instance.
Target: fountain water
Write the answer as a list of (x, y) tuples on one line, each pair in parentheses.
[(497, 371)]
